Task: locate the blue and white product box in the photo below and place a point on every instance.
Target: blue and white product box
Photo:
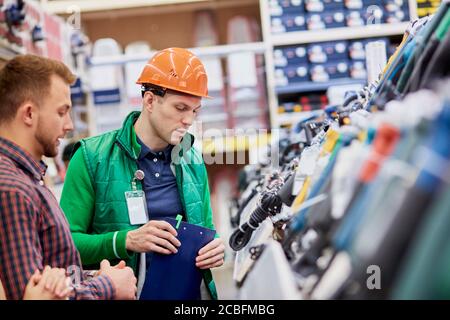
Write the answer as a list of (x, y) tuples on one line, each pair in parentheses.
[(281, 7), (315, 22), (356, 50), (338, 69), (316, 54), (334, 19), (289, 56), (291, 74), (337, 50), (358, 70), (325, 20), (323, 5), (355, 18), (288, 23), (326, 51), (396, 16), (329, 71)]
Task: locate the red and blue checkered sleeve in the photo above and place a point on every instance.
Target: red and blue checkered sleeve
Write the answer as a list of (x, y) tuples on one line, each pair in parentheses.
[(20, 251), (97, 288)]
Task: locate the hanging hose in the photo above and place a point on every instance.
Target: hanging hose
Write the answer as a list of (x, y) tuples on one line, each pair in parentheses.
[(270, 204)]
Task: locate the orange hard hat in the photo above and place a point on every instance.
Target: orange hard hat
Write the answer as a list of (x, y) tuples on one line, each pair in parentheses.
[(176, 69)]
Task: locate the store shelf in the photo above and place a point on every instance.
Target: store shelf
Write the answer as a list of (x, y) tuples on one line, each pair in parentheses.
[(216, 51), (224, 50), (295, 117), (105, 8), (314, 36), (310, 36), (234, 143), (316, 86), (61, 7)]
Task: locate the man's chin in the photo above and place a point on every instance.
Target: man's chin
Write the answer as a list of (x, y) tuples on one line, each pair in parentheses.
[(51, 153)]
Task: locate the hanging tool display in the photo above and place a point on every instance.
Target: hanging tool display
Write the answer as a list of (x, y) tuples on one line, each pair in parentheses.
[(368, 185), (270, 203)]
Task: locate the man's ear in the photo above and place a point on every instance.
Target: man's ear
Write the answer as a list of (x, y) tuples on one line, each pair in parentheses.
[(148, 99), (28, 113)]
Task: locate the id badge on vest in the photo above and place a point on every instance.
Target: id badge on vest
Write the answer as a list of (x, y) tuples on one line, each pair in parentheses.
[(137, 207)]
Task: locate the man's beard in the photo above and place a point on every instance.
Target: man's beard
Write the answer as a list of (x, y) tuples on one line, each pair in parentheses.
[(48, 146)]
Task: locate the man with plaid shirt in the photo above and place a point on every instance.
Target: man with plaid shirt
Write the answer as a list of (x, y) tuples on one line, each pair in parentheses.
[(34, 116)]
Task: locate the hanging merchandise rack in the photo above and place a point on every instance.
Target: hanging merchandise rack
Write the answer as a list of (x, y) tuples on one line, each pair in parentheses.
[(299, 32), (367, 193)]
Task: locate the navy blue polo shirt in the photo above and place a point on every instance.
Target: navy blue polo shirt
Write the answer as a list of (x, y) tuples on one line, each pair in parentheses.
[(159, 185)]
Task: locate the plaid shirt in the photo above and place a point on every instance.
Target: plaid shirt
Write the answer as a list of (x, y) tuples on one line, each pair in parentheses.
[(34, 231)]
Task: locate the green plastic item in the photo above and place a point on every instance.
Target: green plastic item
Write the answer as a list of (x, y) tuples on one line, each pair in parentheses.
[(178, 218)]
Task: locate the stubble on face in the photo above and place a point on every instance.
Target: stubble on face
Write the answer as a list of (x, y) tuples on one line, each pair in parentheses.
[(48, 144), (168, 123), (162, 123), (50, 126)]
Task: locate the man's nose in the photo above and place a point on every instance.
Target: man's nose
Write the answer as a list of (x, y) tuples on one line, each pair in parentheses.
[(188, 119), (68, 126)]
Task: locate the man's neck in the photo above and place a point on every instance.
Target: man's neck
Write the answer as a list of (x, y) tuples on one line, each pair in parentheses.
[(147, 135), (17, 136)]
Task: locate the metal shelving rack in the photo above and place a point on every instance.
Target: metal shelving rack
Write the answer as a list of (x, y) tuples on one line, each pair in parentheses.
[(313, 36)]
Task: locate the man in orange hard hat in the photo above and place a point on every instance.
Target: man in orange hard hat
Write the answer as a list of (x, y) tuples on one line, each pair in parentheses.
[(148, 169)]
